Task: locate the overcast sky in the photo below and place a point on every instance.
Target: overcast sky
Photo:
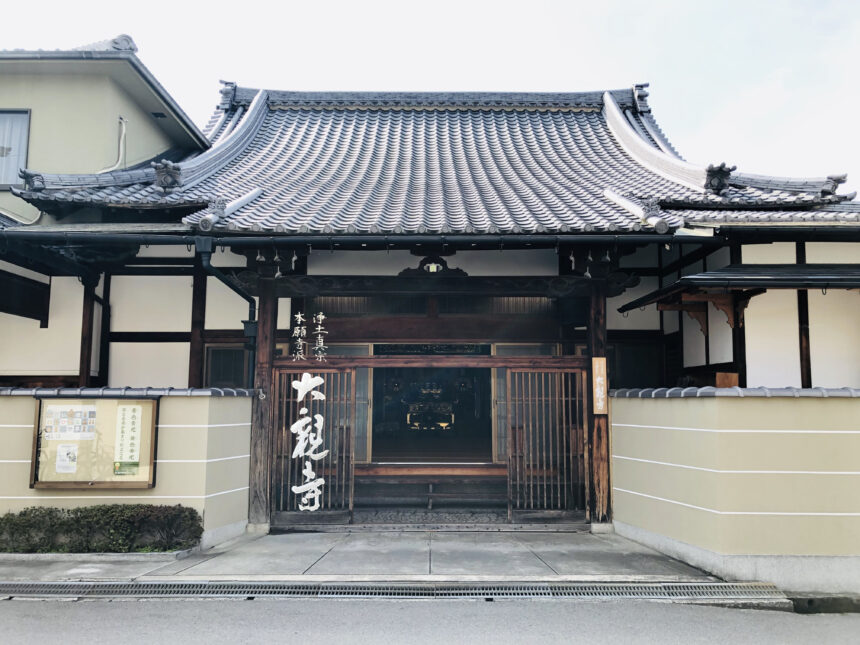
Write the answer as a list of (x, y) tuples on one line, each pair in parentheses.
[(768, 85)]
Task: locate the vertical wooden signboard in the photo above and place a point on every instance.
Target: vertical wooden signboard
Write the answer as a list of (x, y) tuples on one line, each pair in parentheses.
[(599, 385)]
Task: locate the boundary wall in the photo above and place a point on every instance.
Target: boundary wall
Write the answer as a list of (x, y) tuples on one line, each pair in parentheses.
[(749, 484), (202, 456)]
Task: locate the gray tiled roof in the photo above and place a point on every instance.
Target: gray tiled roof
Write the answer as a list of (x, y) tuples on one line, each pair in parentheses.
[(397, 162), (8, 222)]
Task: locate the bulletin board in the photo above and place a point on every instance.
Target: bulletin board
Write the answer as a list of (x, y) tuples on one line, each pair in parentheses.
[(95, 443)]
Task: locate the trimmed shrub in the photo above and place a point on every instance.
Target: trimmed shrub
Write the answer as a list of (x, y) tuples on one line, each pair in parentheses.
[(110, 528)]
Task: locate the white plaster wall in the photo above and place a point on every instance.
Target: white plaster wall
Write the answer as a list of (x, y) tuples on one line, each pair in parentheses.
[(833, 252), (25, 348), (834, 338), (148, 364), (226, 309), (772, 341), (151, 303), (719, 336), (649, 318), (694, 342), (475, 263), (226, 258), (33, 275), (776, 253), (165, 251), (671, 322)]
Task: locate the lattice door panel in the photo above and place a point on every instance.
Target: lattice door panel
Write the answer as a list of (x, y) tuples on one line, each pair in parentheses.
[(336, 467), (546, 439)]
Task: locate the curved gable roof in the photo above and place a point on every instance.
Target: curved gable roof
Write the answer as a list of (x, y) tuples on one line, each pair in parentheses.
[(334, 162)]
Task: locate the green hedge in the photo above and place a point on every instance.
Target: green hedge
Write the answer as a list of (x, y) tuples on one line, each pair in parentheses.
[(111, 528)]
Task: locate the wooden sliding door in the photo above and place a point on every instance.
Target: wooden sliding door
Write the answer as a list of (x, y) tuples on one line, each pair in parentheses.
[(546, 415)]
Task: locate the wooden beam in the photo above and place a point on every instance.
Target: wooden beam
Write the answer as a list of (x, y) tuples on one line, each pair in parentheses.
[(443, 328), (86, 353), (198, 322), (598, 505), (542, 363), (150, 337), (698, 311), (803, 324), (303, 286), (259, 508)]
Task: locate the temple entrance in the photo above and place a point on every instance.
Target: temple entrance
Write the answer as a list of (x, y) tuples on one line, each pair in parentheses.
[(432, 415)]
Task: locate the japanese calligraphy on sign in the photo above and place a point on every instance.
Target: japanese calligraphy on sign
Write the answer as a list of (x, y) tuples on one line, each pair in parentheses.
[(600, 385), (127, 447), (309, 438), (96, 442), (301, 341)]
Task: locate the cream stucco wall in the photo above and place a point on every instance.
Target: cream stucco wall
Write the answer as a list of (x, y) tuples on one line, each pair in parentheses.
[(202, 461), (741, 476), (74, 126)]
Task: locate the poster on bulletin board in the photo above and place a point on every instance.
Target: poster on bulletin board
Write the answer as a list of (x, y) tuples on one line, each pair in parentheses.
[(95, 443)]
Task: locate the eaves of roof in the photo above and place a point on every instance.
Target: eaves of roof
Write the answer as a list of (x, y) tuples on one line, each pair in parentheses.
[(379, 163), (126, 54)]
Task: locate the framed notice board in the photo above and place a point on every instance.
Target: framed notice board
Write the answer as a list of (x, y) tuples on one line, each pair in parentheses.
[(94, 443)]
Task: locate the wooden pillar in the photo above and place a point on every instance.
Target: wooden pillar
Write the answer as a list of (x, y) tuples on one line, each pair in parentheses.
[(739, 339), (599, 508), (262, 418), (803, 324), (198, 322), (104, 336), (86, 356)]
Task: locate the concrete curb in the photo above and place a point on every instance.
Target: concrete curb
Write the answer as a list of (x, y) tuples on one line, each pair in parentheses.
[(155, 556)]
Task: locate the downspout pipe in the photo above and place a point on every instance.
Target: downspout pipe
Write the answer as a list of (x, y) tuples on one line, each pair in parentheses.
[(203, 246)]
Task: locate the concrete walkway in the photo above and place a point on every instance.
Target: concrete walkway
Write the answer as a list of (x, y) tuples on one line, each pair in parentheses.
[(377, 556)]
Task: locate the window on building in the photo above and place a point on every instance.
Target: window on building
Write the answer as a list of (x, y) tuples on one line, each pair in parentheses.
[(226, 366), (14, 132)]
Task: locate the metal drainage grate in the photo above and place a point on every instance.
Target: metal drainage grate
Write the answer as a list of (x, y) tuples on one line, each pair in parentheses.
[(677, 591)]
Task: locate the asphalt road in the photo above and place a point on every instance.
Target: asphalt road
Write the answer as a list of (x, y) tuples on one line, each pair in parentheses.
[(394, 622)]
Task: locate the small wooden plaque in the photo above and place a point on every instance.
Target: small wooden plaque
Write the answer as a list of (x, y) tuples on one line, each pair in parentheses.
[(600, 385)]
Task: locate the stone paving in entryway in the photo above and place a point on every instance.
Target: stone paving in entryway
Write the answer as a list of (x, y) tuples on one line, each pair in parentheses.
[(459, 555), (377, 556)]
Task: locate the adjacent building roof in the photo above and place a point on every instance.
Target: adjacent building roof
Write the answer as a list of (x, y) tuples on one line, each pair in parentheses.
[(289, 162), (141, 84), (743, 277)]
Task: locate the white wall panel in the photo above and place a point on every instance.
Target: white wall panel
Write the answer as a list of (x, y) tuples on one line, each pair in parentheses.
[(719, 336), (772, 342), (694, 342), (649, 318), (226, 309), (834, 338), (776, 253), (165, 251), (151, 303), (25, 348), (148, 364), (833, 252)]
